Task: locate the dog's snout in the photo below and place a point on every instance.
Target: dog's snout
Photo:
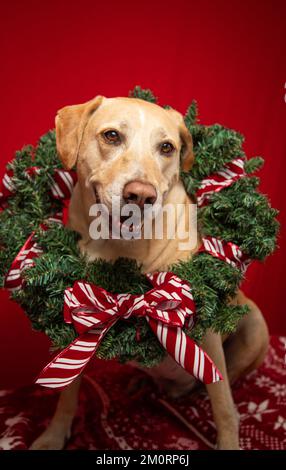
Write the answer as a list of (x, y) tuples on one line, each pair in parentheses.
[(139, 193)]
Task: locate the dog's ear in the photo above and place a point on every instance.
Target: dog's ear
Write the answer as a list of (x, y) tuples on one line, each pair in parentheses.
[(70, 124), (187, 154)]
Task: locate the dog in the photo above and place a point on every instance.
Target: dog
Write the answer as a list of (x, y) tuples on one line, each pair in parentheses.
[(133, 149)]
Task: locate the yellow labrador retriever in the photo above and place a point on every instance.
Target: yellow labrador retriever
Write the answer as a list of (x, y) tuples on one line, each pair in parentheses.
[(131, 149)]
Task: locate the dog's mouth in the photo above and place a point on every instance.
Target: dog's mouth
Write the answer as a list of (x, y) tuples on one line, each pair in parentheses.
[(123, 225)]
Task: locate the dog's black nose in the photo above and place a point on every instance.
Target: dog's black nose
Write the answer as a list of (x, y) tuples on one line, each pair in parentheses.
[(139, 193)]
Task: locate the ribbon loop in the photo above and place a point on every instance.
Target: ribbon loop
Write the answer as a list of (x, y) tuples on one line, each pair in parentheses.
[(88, 306)]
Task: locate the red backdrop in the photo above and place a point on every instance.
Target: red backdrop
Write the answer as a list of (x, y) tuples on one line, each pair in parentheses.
[(230, 56)]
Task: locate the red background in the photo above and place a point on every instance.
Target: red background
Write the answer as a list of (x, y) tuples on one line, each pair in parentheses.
[(228, 55)]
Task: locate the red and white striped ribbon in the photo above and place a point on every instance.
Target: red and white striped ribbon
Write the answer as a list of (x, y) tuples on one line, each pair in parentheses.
[(168, 308), (220, 180), (23, 260), (62, 183), (7, 187), (14, 279), (226, 251), (61, 187)]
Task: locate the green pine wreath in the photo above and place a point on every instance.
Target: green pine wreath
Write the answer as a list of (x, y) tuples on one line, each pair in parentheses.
[(238, 213)]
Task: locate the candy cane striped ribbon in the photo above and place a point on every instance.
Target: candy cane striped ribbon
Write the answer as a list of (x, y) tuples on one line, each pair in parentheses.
[(226, 251), (220, 180), (168, 308), (7, 187), (25, 258), (61, 185)]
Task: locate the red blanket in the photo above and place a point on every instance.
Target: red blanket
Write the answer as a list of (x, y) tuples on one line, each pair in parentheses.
[(109, 417)]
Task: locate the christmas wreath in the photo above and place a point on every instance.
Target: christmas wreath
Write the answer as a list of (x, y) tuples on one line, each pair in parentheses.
[(40, 259)]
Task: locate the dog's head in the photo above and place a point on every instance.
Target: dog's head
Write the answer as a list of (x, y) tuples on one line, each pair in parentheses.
[(124, 147)]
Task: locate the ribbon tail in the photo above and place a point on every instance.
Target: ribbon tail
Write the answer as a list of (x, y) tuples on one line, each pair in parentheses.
[(70, 362), (186, 352)]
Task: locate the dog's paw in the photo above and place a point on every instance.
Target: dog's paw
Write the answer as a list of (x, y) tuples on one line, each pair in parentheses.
[(50, 441)]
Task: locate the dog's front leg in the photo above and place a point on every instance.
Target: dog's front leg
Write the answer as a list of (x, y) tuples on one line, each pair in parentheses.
[(59, 429), (224, 411)]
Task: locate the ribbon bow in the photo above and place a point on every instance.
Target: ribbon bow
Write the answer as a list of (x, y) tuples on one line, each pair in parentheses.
[(168, 308)]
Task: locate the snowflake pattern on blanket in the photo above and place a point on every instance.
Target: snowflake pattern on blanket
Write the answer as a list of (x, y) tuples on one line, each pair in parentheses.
[(110, 418)]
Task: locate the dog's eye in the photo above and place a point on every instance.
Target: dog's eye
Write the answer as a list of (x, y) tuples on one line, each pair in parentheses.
[(167, 148), (112, 136)]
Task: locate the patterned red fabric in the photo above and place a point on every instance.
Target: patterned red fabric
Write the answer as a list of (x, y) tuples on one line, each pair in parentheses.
[(111, 418)]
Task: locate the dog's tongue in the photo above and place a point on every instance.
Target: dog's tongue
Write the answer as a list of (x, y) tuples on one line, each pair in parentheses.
[(119, 225)]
